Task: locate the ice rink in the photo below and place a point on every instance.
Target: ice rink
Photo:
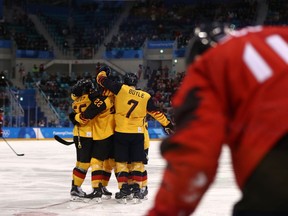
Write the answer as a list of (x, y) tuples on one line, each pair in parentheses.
[(38, 183)]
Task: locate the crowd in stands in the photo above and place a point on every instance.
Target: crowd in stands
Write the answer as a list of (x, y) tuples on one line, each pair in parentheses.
[(83, 31), (152, 19), (162, 20), (23, 31), (4, 35), (277, 14), (161, 85)]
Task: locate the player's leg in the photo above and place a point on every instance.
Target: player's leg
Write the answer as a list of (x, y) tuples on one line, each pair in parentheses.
[(137, 166), (105, 152), (83, 155), (121, 146), (144, 185), (108, 166), (96, 171)]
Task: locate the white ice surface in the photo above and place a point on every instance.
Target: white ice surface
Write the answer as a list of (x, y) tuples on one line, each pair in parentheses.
[(38, 184)]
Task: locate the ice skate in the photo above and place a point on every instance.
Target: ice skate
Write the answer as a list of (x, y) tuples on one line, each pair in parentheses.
[(96, 195), (137, 195), (123, 195), (106, 194), (77, 194), (144, 192)]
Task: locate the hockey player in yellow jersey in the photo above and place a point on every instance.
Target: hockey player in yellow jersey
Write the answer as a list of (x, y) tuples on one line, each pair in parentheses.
[(86, 146), (131, 108), (102, 134), (82, 135)]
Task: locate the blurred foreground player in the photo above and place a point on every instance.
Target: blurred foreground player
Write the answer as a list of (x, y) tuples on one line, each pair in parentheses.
[(235, 93)]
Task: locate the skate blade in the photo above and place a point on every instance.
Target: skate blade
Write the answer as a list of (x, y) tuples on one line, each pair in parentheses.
[(122, 201), (78, 199), (136, 200), (106, 197), (96, 200), (129, 197)]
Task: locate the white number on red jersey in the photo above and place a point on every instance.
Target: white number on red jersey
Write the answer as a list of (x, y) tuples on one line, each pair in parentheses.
[(257, 64)]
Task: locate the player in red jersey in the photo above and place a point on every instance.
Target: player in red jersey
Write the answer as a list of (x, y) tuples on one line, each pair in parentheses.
[(234, 93)]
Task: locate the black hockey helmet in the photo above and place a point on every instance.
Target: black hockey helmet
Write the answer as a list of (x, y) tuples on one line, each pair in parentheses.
[(83, 86), (204, 37), (130, 79), (106, 69)]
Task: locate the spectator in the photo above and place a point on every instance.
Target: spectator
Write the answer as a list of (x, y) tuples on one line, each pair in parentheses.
[(35, 71), (140, 71)]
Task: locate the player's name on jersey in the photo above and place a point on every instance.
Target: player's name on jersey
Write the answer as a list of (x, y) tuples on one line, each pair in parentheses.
[(137, 93)]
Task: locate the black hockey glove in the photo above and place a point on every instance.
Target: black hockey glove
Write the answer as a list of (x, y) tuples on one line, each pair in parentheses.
[(169, 129), (72, 118), (106, 69)]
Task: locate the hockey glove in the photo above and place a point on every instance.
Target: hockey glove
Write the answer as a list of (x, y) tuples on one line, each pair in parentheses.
[(72, 118), (169, 129), (106, 69), (79, 118), (100, 77)]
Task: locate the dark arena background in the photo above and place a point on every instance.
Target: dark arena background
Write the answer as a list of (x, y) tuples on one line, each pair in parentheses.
[(46, 46)]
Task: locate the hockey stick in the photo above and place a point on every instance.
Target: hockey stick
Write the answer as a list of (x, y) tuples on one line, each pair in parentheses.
[(64, 142), (12, 148)]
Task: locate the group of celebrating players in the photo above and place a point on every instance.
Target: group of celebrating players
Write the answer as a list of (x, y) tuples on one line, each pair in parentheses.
[(111, 133)]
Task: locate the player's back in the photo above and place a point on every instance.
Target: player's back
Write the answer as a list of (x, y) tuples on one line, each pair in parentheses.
[(253, 81), (243, 82), (131, 109)]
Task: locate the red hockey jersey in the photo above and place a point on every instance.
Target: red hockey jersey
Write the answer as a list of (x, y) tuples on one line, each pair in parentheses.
[(235, 93)]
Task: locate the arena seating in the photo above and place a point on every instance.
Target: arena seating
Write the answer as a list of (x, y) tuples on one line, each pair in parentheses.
[(89, 24)]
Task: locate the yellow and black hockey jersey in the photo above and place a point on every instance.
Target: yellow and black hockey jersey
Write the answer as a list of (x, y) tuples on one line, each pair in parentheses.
[(131, 107), (79, 105), (101, 113)]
